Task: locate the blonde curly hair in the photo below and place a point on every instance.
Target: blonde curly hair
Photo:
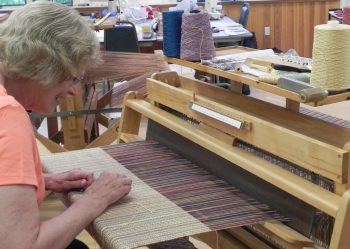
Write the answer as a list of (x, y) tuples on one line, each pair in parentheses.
[(46, 42)]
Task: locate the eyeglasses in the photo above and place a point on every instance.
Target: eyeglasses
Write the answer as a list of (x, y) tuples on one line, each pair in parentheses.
[(77, 79)]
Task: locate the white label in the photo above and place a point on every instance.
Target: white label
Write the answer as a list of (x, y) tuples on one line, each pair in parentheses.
[(215, 115)]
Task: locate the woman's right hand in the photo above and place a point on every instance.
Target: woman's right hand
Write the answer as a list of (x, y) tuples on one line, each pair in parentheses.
[(108, 188)]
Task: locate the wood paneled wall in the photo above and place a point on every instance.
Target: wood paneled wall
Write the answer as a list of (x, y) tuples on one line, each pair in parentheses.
[(291, 22)]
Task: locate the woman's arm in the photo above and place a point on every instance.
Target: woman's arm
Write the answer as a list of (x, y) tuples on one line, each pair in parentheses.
[(20, 222)]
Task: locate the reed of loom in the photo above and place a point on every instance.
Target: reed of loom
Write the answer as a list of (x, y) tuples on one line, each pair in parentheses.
[(81, 131), (302, 156)]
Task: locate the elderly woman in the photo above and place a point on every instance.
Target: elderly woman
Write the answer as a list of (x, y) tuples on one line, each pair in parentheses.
[(44, 49)]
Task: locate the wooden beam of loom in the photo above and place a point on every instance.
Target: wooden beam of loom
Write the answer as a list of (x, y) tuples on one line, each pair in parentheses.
[(73, 127), (158, 208)]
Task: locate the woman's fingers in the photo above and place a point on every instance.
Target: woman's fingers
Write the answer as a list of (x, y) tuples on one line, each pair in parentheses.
[(110, 187)]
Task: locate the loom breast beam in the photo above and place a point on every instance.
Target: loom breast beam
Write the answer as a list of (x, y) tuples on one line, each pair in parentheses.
[(278, 125)]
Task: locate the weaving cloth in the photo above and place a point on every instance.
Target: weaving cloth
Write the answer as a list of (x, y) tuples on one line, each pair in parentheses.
[(155, 210), (144, 212)]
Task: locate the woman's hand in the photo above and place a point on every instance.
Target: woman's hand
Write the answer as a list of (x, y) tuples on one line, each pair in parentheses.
[(64, 182), (108, 188)]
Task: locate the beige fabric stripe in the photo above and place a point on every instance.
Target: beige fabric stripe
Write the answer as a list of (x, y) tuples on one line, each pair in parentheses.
[(142, 218)]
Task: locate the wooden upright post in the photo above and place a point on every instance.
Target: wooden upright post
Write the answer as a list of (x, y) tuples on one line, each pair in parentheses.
[(73, 126)]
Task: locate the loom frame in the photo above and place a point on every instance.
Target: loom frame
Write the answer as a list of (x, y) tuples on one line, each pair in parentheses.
[(170, 89)]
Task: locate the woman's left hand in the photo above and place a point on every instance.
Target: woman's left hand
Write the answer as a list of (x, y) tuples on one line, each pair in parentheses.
[(63, 182)]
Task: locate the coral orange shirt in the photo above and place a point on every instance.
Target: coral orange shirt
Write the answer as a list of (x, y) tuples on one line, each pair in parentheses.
[(19, 157)]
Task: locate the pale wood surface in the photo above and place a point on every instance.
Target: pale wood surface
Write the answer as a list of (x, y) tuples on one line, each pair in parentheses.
[(107, 137), (73, 126), (287, 234), (220, 240), (130, 120), (47, 145), (341, 238)]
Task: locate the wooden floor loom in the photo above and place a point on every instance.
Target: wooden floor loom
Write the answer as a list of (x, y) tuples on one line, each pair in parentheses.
[(295, 163)]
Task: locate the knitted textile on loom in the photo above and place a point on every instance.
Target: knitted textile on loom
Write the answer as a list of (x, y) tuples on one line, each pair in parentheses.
[(197, 41)]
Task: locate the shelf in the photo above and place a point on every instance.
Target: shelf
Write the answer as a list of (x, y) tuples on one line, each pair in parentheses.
[(252, 80)]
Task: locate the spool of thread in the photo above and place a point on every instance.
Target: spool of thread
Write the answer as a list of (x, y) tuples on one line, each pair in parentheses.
[(346, 15), (197, 41), (330, 55), (172, 21), (312, 95)]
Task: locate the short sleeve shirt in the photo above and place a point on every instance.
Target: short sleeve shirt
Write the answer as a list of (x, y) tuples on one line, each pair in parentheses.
[(19, 157)]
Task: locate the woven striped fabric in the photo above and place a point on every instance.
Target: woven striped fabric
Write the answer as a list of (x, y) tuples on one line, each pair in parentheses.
[(170, 198)]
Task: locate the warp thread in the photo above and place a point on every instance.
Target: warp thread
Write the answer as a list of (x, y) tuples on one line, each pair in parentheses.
[(172, 21), (331, 64), (346, 15), (197, 41)]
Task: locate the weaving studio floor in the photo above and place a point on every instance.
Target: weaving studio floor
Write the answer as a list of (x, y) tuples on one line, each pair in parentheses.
[(52, 206)]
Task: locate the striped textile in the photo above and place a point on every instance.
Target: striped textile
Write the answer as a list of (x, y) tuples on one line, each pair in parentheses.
[(170, 198)]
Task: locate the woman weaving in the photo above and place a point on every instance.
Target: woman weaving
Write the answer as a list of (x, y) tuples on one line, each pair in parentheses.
[(44, 49)]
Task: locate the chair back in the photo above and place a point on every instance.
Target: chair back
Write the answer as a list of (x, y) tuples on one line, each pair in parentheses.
[(243, 19), (122, 38)]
